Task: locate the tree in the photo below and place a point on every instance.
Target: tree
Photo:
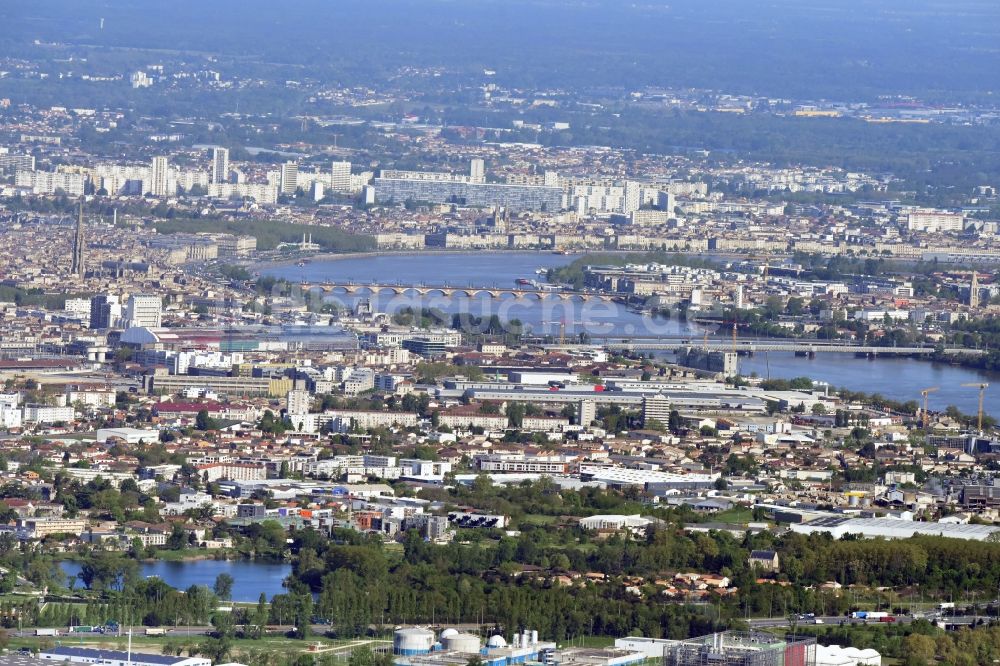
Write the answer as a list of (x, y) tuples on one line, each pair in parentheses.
[(515, 414), (178, 537), (223, 587), (216, 649), (203, 421), (918, 650), (271, 425), (106, 571), (223, 623), (361, 656), (674, 421)]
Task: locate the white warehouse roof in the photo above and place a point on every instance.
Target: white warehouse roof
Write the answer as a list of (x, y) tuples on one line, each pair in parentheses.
[(888, 528)]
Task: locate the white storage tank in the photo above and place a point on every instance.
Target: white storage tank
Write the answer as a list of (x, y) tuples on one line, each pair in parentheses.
[(448, 633), (496, 642), (412, 640), (464, 643)]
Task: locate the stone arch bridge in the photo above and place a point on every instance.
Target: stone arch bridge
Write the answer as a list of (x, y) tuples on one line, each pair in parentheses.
[(352, 288)]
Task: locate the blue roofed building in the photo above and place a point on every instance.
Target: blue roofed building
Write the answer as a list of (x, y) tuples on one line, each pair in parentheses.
[(81, 655)]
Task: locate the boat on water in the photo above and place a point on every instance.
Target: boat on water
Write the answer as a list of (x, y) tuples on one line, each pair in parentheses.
[(524, 282)]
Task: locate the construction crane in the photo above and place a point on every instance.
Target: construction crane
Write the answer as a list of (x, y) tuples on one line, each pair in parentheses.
[(982, 386), (923, 415)]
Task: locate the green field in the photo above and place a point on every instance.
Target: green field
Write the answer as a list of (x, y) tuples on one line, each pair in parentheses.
[(539, 519), (739, 515)]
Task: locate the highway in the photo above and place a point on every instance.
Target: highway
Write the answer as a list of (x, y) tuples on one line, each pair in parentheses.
[(769, 623)]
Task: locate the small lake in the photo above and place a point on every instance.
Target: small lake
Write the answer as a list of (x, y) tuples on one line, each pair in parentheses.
[(251, 577)]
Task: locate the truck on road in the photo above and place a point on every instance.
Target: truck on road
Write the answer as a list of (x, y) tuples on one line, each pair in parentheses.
[(155, 631), (869, 615), (46, 632)]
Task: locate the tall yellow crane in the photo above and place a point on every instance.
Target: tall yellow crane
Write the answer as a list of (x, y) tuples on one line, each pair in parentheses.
[(924, 421), (982, 386)]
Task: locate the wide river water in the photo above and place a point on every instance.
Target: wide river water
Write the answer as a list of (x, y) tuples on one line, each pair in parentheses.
[(896, 378), (251, 577)]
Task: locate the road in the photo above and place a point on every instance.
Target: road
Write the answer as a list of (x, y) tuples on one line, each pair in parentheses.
[(768, 623), (320, 629)]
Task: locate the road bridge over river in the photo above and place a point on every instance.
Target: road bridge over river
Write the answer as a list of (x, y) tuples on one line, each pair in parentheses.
[(451, 291)]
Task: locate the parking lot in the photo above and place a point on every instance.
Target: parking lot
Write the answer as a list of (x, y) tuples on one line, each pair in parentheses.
[(15, 658)]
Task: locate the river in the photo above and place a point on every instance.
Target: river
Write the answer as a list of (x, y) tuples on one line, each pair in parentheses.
[(251, 577), (480, 270), (895, 378)]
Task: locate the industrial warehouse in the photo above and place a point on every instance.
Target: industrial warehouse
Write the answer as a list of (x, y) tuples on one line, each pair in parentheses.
[(418, 646)]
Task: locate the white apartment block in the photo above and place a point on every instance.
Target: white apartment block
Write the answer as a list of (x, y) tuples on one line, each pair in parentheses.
[(298, 402), (143, 310), (187, 180), (78, 306), (48, 414), (424, 468), (359, 381), (159, 177), (343, 420), (262, 193), (10, 417), (289, 178), (232, 472), (466, 421), (97, 399), (340, 176), (48, 182), (220, 165), (934, 221), (522, 464)]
